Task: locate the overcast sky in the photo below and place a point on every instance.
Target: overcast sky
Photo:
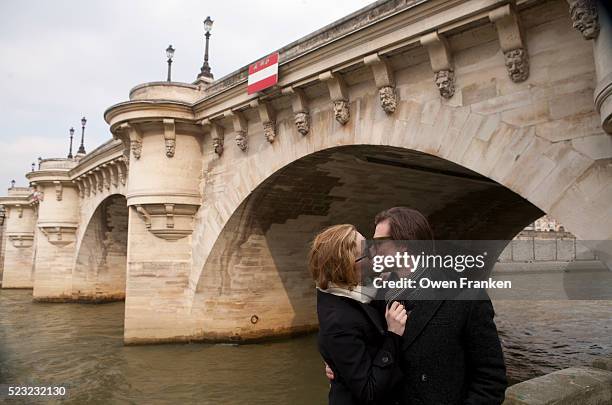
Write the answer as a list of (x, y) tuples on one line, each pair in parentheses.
[(62, 60)]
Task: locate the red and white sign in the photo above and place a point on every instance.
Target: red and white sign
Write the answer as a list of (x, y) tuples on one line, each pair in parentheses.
[(263, 74)]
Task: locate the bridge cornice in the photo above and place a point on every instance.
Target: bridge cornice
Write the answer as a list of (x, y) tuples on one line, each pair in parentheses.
[(330, 49), (15, 201), (147, 110), (48, 176), (112, 150), (379, 36)]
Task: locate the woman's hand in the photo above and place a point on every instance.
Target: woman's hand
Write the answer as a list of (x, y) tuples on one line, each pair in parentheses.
[(328, 372), (396, 317)]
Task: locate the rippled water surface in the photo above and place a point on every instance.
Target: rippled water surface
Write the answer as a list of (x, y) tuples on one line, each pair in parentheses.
[(81, 345)]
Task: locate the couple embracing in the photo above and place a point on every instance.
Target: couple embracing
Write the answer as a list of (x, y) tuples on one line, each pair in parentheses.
[(394, 351)]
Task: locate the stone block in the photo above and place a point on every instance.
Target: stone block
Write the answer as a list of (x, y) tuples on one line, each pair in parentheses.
[(576, 385), (595, 146), (545, 250), (566, 250), (522, 250)]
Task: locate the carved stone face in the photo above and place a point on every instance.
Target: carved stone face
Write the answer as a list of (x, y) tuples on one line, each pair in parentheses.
[(387, 99), (136, 148), (445, 82), (341, 111), (218, 145), (517, 63), (302, 122), (170, 147), (584, 16), (269, 131), (241, 140)]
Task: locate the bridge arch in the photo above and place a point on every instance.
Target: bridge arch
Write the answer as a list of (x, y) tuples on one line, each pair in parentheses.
[(99, 273), (256, 270)]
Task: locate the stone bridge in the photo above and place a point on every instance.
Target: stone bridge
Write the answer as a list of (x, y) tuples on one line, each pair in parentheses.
[(483, 114)]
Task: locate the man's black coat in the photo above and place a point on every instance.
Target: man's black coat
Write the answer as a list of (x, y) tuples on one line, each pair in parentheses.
[(451, 354)]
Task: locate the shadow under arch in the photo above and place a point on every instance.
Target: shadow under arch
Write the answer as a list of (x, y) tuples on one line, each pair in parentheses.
[(255, 282), (99, 272)]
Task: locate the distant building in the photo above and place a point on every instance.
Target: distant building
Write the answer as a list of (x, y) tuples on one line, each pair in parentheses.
[(545, 224), (545, 227)]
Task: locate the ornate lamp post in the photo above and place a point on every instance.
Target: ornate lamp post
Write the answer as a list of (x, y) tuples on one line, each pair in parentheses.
[(205, 70), (33, 166), (169, 54), (71, 136), (12, 183), (82, 147)]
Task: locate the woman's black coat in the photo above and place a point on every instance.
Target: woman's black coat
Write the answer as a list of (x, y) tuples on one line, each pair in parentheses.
[(354, 342)]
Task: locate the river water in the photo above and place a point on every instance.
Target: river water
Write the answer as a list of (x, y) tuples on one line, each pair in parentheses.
[(81, 346)]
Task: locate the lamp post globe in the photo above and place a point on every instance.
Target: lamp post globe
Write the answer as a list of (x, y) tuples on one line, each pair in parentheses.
[(208, 23), (169, 55)]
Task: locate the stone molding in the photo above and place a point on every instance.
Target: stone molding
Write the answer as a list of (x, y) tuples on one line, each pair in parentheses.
[(113, 173), (168, 221), (21, 239), (603, 102), (59, 233)]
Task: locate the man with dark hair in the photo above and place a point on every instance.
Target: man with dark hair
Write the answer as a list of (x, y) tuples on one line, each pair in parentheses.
[(451, 349)]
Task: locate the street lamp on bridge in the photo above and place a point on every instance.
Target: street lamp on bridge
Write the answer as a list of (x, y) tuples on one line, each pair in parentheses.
[(71, 136), (82, 146), (205, 70), (12, 183), (169, 54)]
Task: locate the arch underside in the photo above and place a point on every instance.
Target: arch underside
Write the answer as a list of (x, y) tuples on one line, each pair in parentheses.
[(99, 273), (257, 267)]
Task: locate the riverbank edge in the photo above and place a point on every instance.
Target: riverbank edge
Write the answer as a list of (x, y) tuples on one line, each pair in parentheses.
[(261, 336)]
